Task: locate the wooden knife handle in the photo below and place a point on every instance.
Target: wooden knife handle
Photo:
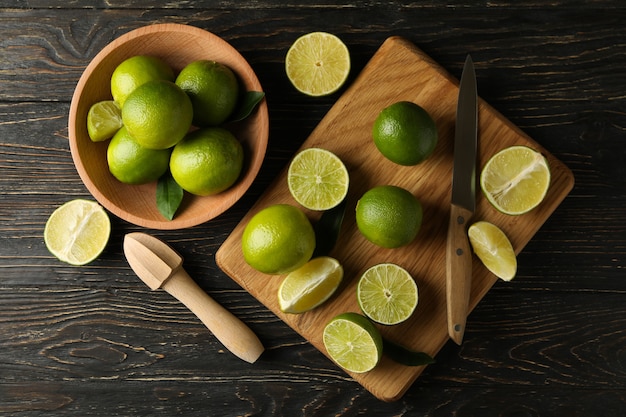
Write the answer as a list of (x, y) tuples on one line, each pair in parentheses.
[(458, 272), (228, 329)]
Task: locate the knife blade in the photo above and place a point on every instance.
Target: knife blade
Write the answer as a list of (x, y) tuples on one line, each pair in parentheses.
[(463, 203)]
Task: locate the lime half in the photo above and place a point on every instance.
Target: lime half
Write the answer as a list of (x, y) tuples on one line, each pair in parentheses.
[(310, 285), (317, 179), (77, 232), (353, 342), (387, 294), (516, 179), (494, 249), (104, 119), (317, 63)]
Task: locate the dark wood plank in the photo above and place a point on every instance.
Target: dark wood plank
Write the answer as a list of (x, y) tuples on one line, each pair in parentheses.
[(95, 341)]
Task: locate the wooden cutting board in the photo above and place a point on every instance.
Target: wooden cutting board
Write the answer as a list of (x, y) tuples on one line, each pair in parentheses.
[(398, 71)]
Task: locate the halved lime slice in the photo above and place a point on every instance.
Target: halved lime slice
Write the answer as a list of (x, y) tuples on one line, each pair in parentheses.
[(494, 249), (317, 63), (353, 342), (516, 179), (104, 119), (387, 294), (77, 232), (317, 179), (310, 285)]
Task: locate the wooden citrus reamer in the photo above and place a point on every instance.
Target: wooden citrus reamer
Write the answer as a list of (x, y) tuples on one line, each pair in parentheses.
[(159, 266)]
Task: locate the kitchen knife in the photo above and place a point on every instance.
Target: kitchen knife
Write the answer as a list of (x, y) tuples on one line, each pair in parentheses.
[(463, 202)]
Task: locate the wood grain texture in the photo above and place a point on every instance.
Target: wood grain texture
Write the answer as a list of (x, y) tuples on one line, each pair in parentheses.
[(177, 45), (398, 71), (94, 341), (161, 267)]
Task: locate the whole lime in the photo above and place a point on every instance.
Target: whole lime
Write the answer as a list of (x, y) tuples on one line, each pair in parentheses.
[(213, 89), (389, 216), (405, 133), (207, 161), (278, 239), (131, 163), (135, 71), (157, 114)]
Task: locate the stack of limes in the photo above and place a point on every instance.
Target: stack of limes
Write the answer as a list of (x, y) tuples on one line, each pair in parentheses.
[(150, 118)]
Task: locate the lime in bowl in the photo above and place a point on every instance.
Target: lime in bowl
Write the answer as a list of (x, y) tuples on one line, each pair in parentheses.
[(177, 45)]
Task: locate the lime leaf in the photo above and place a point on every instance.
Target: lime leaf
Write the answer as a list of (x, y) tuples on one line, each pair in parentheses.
[(247, 104), (327, 229), (406, 356), (169, 195)]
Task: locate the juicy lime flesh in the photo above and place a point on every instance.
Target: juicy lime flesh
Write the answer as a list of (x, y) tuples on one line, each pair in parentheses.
[(131, 163), (157, 114), (310, 285), (318, 63), (135, 71), (494, 249), (278, 239), (405, 133), (317, 179), (516, 179), (77, 232), (389, 216), (353, 342), (213, 90), (207, 161), (104, 119), (387, 294)]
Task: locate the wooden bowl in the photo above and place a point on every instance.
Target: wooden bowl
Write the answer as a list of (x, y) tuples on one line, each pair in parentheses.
[(177, 45)]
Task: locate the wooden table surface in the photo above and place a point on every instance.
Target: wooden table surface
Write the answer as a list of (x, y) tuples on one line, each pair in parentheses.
[(94, 341)]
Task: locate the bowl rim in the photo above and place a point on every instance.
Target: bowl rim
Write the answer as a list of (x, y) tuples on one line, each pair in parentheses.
[(255, 160)]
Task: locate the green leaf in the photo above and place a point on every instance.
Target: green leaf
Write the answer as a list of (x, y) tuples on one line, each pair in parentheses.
[(406, 356), (169, 195), (327, 229), (247, 103)]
